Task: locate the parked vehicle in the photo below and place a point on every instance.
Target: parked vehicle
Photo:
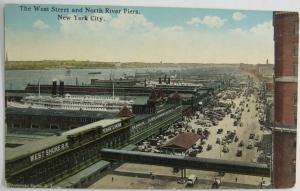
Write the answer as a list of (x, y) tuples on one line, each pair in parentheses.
[(220, 131), (241, 144), (216, 183), (191, 180), (236, 139), (209, 147), (250, 145), (225, 149), (251, 136), (239, 152)]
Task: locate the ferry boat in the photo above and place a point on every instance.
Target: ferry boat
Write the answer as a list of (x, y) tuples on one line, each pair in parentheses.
[(73, 102)]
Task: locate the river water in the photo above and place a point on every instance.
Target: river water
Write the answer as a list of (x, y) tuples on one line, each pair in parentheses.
[(18, 79)]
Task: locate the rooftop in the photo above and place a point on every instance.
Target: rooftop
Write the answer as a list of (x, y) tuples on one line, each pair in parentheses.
[(183, 140), (70, 181), (51, 141)]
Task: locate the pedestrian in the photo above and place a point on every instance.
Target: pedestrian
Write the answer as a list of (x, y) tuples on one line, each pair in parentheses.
[(112, 178), (235, 179)]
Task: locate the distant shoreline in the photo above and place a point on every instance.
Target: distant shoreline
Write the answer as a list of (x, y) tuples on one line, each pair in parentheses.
[(48, 65)]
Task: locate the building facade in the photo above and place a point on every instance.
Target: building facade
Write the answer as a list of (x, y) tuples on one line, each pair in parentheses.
[(28, 118), (286, 25)]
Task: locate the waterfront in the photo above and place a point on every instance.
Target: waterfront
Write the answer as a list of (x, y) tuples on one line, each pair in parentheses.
[(18, 79)]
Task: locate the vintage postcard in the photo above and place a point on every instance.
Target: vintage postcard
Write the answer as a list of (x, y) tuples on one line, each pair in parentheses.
[(119, 97)]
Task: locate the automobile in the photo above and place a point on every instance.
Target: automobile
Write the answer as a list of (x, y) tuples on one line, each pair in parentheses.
[(156, 151), (225, 149), (257, 137), (241, 144), (215, 123), (191, 180), (236, 139), (229, 141), (200, 148), (193, 153), (216, 183), (209, 147), (218, 141), (266, 184), (220, 131), (239, 152), (250, 145), (257, 144), (251, 136)]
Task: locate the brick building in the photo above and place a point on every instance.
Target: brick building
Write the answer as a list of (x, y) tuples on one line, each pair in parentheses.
[(264, 70), (286, 65)]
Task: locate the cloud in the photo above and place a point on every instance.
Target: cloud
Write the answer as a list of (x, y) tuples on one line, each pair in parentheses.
[(140, 40), (210, 21), (238, 16), (237, 31), (262, 28), (128, 22), (40, 25)]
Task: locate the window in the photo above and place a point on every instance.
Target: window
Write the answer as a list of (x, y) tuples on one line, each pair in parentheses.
[(296, 28), (295, 69), (296, 50), (54, 126), (16, 125), (295, 116), (35, 126)]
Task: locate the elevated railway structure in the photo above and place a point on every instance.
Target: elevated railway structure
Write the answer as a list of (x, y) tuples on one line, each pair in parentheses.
[(180, 162)]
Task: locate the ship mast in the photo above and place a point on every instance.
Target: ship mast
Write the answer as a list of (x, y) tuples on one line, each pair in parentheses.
[(113, 88), (39, 89), (113, 84)]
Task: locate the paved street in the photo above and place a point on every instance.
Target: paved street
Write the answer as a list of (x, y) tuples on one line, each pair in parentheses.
[(137, 176)]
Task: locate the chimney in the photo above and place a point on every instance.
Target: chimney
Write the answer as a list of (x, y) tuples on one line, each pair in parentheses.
[(61, 88), (169, 80), (54, 87)]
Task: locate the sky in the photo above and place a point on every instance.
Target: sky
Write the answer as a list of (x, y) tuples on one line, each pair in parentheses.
[(178, 35)]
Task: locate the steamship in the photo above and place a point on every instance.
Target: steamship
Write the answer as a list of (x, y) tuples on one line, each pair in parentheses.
[(73, 102)]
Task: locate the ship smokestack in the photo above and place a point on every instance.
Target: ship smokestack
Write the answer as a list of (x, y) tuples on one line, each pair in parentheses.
[(61, 88), (159, 80), (169, 80), (165, 78), (54, 87)]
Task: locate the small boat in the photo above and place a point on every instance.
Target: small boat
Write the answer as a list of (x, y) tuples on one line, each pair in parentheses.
[(95, 73)]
